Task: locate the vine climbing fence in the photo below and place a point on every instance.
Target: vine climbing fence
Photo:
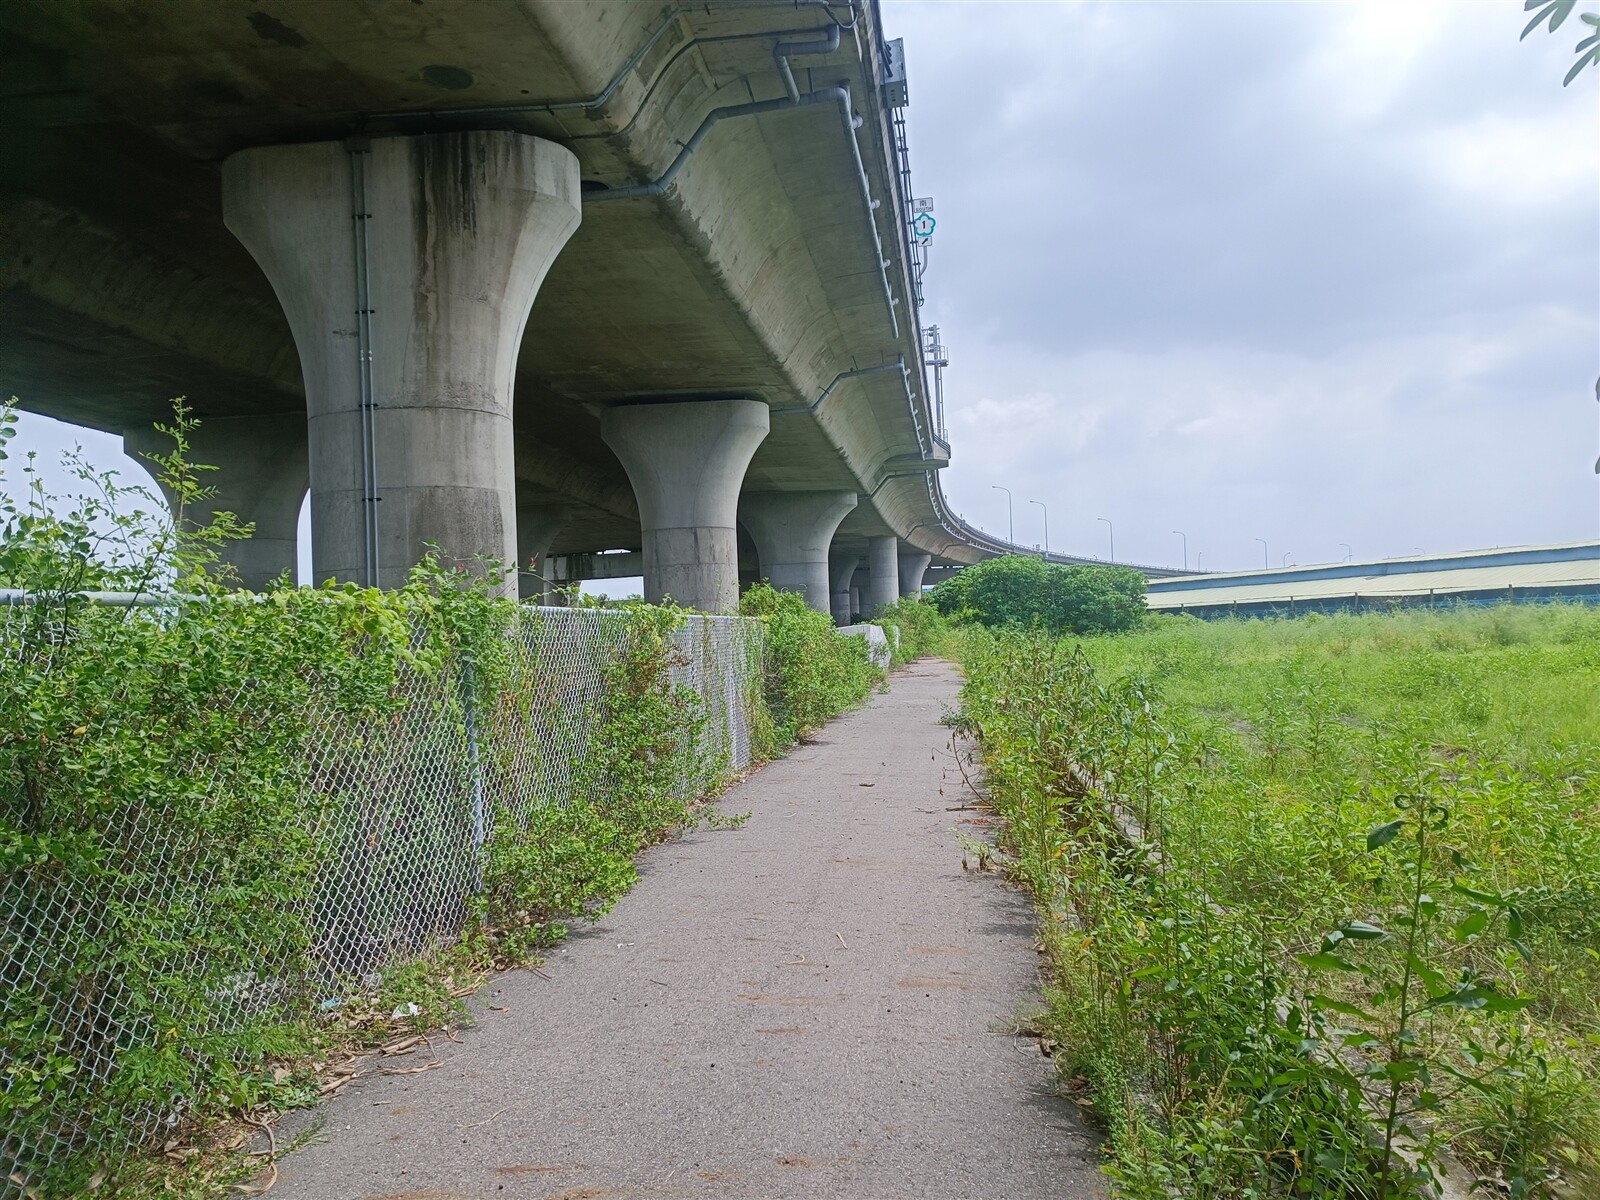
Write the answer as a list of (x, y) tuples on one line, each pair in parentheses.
[(394, 808)]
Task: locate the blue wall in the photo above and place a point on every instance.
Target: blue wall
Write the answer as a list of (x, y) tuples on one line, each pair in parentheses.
[(1411, 566)]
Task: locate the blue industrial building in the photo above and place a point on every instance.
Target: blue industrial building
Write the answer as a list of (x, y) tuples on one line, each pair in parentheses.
[(1513, 575)]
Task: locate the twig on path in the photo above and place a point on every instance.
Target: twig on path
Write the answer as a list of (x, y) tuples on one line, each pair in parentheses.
[(272, 1160), (427, 1066), (965, 777), (658, 983), (840, 936), (486, 1120)]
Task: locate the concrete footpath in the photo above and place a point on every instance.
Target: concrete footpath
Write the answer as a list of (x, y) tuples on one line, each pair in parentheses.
[(811, 1005)]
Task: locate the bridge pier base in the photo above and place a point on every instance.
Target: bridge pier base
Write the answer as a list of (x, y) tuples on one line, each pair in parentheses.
[(913, 565), (841, 576), (538, 522), (686, 462), (407, 317), (883, 573), (792, 532), (260, 478)]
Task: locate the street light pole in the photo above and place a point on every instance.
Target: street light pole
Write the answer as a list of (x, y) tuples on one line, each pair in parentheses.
[(1185, 538), (1111, 533), (1046, 513), (1286, 554), (1011, 533), (1265, 562), (1348, 552)]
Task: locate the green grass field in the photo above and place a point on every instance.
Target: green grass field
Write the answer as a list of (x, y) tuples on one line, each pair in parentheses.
[(1359, 923)]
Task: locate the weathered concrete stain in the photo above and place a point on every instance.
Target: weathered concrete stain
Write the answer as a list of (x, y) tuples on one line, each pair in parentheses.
[(451, 78), (270, 29), (450, 170)]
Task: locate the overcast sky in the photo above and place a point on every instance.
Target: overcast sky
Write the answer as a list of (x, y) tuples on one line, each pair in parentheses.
[(1316, 273), (1313, 273)]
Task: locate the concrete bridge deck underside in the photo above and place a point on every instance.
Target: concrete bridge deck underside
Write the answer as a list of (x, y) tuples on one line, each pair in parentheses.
[(756, 275)]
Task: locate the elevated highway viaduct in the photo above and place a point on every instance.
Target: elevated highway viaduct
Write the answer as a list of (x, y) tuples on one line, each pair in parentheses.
[(518, 279)]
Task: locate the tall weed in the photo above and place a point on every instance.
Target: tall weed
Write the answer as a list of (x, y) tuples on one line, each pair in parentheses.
[(1317, 896)]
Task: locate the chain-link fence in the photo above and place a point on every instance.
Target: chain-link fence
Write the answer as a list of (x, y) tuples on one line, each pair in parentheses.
[(411, 813), (397, 812)]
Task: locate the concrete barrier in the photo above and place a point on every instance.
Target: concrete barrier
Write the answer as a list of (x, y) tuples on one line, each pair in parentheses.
[(877, 642)]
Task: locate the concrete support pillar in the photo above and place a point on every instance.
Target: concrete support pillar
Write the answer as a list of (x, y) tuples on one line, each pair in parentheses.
[(841, 571), (749, 558), (687, 462), (538, 522), (261, 479), (913, 564), (883, 566), (858, 586), (792, 532), (408, 319)]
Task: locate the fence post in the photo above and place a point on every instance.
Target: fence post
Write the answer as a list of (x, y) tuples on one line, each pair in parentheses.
[(469, 706)]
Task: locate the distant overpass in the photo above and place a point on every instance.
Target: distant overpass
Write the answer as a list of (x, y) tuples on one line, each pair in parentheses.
[(521, 280), (1515, 574)]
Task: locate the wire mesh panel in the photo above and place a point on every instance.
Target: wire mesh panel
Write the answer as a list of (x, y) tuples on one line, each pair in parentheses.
[(391, 803), (73, 1016), (720, 658), (396, 810), (537, 734)]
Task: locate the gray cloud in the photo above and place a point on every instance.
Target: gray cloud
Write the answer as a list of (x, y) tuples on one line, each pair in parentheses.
[(1319, 273)]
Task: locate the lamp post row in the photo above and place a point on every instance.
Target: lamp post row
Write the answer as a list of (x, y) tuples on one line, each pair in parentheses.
[(1111, 535), (1011, 532)]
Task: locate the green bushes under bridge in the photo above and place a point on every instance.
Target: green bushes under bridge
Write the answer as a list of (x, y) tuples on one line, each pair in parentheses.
[(237, 832), (1024, 591)]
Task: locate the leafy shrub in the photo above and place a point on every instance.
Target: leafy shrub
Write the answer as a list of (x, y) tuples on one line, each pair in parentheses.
[(812, 673), (158, 856), (923, 628), (1024, 591), (202, 793), (645, 752), (563, 862)]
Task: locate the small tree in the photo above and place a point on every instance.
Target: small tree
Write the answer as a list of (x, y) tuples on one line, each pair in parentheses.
[(1551, 14), (1021, 590)]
